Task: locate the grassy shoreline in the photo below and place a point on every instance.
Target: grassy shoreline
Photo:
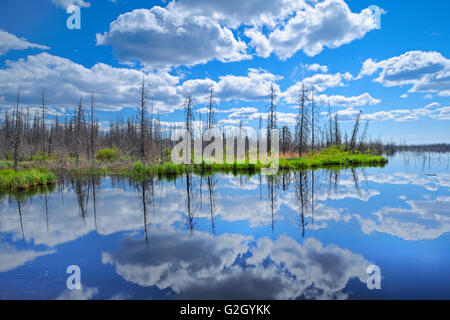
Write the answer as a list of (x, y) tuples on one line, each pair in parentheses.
[(30, 176), (333, 157), (26, 179), (325, 159)]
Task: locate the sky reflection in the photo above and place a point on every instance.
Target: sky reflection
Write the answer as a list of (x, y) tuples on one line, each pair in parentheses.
[(302, 235)]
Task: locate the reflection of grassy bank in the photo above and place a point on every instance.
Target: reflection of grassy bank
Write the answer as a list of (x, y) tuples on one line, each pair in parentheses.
[(26, 179), (170, 169), (29, 193)]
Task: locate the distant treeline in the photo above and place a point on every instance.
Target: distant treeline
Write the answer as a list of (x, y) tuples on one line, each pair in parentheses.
[(435, 147), (26, 136)]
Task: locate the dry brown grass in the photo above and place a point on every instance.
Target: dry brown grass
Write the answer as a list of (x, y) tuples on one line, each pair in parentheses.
[(294, 155)]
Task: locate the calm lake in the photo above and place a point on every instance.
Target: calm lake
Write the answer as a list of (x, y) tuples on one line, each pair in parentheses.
[(300, 235)]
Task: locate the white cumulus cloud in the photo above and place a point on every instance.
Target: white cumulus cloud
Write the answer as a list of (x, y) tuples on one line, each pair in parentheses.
[(66, 81), (188, 32), (425, 71), (328, 23), (163, 38), (65, 3), (9, 42)]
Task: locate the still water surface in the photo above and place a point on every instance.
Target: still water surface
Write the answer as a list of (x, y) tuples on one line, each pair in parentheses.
[(308, 235)]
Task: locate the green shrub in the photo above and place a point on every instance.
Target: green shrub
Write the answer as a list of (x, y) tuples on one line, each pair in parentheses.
[(40, 157), (107, 154), (138, 168), (6, 164)]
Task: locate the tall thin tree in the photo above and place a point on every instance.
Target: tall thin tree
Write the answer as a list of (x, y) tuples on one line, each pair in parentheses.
[(312, 121), (211, 109), (43, 120), (17, 131), (301, 122), (271, 117), (91, 121), (355, 131), (142, 114)]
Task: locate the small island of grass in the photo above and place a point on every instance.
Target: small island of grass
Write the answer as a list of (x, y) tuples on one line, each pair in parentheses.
[(333, 156), (329, 157), (11, 180), (32, 174)]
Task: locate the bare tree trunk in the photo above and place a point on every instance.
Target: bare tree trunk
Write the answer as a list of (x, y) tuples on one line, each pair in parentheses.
[(92, 151), (355, 131), (312, 122), (50, 142), (301, 123), (211, 117), (363, 137), (43, 121), (17, 129), (78, 121), (189, 116), (142, 121), (271, 118), (337, 134)]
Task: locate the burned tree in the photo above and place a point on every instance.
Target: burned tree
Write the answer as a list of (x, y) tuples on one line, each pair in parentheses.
[(337, 130), (189, 113), (271, 117), (301, 125), (312, 121), (92, 128), (43, 121), (142, 121), (355, 131), (286, 139), (211, 121), (17, 131)]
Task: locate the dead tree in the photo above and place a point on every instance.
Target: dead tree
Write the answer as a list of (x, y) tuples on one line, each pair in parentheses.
[(150, 126), (271, 117), (43, 120), (312, 121), (78, 130), (363, 137), (142, 120), (189, 113), (285, 139), (17, 131), (50, 141), (91, 122), (301, 126), (260, 121), (355, 131), (337, 130), (211, 107), (330, 140)]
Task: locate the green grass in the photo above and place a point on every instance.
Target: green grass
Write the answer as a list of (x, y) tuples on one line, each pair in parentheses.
[(6, 164), (332, 157), (335, 157), (107, 154), (41, 157), (26, 179)]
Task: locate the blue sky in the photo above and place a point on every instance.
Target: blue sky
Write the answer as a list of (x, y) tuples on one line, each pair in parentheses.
[(399, 75)]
